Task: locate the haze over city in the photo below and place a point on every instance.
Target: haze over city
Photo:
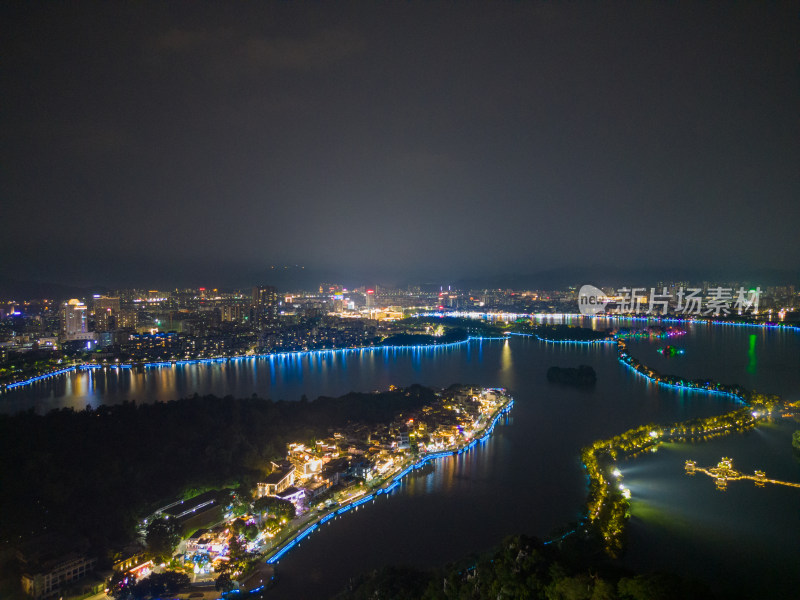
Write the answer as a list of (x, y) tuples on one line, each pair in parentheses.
[(193, 144)]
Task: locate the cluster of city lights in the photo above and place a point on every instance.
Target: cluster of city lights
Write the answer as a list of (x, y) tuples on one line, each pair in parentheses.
[(648, 333), (392, 485), (671, 351)]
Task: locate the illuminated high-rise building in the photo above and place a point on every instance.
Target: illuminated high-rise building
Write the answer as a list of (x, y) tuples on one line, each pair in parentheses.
[(74, 323), (126, 319), (231, 312), (105, 311), (265, 304), (330, 288)]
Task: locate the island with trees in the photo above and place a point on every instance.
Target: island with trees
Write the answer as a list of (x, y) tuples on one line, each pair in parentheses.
[(583, 376), (571, 333), (450, 336)]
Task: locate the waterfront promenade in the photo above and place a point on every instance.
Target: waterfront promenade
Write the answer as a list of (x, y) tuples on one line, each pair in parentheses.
[(306, 524)]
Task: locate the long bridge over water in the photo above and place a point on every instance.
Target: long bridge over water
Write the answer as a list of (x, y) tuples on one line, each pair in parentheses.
[(724, 472)]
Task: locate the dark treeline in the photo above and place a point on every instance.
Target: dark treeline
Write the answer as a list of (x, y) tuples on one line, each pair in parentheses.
[(93, 473), (473, 327), (750, 397), (22, 365), (524, 567), (569, 333), (416, 339)]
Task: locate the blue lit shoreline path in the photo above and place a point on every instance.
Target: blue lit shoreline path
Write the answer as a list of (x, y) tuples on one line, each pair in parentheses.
[(244, 357), (388, 486), (418, 347), (626, 359)]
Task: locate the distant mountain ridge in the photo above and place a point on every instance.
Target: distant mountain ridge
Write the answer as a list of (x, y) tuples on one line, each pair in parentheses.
[(12, 290), (302, 278), (601, 275)]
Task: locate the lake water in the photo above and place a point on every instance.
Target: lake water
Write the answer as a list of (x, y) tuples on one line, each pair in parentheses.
[(745, 538), (528, 477)]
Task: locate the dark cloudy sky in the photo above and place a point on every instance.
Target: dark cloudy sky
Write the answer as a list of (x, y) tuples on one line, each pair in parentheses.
[(204, 143)]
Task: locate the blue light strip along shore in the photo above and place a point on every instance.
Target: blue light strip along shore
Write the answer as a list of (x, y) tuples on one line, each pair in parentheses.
[(688, 388), (270, 356), (298, 353), (395, 482), (653, 318)]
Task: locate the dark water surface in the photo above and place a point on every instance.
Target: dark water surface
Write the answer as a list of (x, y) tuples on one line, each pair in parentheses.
[(744, 539), (527, 478)]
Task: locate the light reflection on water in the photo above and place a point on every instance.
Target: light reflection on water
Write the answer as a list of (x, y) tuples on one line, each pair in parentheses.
[(684, 523), (527, 477)]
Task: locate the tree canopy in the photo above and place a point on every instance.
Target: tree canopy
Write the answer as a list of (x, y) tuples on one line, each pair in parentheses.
[(275, 507), (161, 540), (55, 477), (524, 568), (155, 585)]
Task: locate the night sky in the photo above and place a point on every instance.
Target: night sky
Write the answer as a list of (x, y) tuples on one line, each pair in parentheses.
[(206, 143)]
